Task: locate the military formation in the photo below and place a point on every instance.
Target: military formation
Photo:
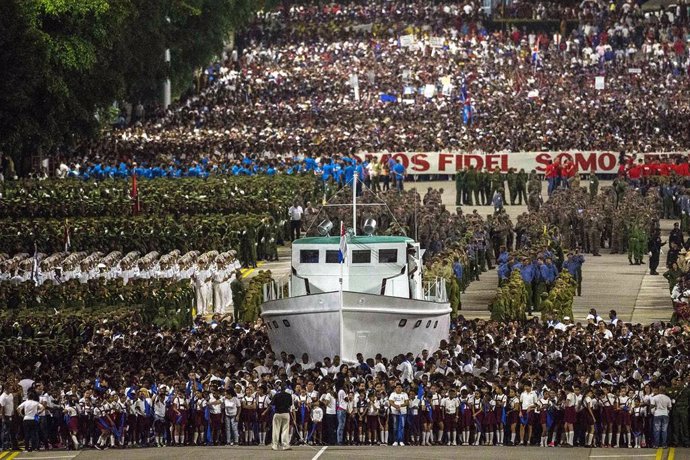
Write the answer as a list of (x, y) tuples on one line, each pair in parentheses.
[(210, 273), (551, 239), (477, 186)]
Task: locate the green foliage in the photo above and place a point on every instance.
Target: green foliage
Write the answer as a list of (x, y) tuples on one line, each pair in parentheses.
[(216, 195), (63, 61)]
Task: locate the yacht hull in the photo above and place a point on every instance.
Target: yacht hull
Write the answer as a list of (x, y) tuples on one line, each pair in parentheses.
[(370, 324)]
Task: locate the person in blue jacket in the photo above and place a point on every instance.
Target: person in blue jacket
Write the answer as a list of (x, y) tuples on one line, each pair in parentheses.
[(573, 264), (527, 274)]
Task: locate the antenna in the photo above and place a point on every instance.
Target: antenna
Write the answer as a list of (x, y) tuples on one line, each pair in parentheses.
[(416, 233), (354, 204)]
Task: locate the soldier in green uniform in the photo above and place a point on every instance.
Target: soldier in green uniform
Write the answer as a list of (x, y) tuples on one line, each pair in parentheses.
[(484, 183), (271, 235), (511, 179), (247, 253), (521, 186), (619, 186), (497, 184), (460, 187), (534, 192), (472, 185), (680, 394), (593, 185), (238, 295)]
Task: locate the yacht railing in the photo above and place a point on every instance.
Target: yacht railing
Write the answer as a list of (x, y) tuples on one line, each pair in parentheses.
[(435, 290), (280, 288)]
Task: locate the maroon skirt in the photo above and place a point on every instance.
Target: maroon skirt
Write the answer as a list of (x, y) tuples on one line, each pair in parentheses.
[(450, 421), (570, 415), (73, 424), (608, 415), (623, 417)]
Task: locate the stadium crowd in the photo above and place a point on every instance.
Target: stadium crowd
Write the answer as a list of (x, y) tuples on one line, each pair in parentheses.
[(121, 383), (307, 85)]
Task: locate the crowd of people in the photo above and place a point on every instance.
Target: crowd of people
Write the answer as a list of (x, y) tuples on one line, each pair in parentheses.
[(302, 80), (120, 383)]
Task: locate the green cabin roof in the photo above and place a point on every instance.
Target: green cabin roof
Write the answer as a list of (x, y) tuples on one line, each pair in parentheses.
[(353, 240)]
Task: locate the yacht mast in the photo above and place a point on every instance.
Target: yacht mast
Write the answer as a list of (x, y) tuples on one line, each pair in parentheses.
[(354, 204)]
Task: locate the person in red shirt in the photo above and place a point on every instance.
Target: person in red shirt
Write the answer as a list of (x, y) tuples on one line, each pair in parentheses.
[(635, 173), (551, 175)]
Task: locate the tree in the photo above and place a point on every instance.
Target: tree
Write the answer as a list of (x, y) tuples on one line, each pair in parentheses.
[(64, 61)]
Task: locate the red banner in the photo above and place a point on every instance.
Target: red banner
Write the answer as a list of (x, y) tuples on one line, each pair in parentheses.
[(601, 162)]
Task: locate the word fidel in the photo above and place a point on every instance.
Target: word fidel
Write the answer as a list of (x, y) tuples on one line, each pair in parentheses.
[(448, 162)]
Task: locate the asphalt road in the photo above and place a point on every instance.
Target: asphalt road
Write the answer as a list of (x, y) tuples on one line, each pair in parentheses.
[(353, 453)]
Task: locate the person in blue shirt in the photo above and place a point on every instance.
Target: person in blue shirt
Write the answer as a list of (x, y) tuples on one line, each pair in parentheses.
[(548, 272), (458, 272), (349, 174), (573, 264), (399, 175), (503, 255), (504, 271), (527, 274)]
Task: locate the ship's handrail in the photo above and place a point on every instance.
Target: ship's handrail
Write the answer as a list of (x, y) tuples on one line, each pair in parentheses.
[(435, 290), (277, 289)]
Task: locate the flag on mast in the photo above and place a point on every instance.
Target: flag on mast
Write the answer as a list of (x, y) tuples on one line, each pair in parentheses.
[(342, 250), (136, 207), (34, 266), (68, 242)]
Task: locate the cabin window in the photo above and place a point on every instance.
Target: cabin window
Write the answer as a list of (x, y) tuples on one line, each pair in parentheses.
[(402, 323), (435, 324), (388, 256), (275, 324), (332, 257), (268, 323), (418, 323), (309, 256), (286, 323), (428, 324), (361, 256)]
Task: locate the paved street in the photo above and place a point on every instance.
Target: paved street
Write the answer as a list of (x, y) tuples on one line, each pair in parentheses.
[(352, 453)]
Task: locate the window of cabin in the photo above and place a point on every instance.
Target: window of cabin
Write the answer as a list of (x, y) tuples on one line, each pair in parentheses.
[(361, 256), (388, 256), (309, 256), (332, 257)]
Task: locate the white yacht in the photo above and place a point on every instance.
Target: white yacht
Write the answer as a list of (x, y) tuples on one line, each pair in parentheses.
[(354, 294)]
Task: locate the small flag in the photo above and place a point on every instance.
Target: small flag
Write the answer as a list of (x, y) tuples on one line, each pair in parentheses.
[(34, 266), (68, 242), (342, 251)]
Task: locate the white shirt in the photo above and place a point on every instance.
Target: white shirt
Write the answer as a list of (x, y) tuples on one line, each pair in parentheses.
[(450, 405), (30, 408), (406, 371), (295, 212), (7, 403), (661, 405), (401, 400), (231, 404), (528, 399), (342, 403), (329, 400)]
